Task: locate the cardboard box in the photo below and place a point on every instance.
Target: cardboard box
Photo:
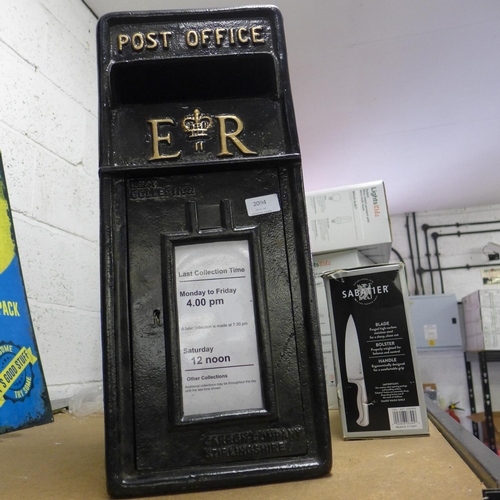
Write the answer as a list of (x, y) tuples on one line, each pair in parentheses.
[(379, 387), (480, 418), (351, 217), (482, 320), (321, 264)]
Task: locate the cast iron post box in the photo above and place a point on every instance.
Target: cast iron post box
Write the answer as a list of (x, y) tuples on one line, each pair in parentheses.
[(213, 371)]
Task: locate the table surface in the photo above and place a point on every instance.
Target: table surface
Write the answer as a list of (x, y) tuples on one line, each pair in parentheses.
[(65, 460)]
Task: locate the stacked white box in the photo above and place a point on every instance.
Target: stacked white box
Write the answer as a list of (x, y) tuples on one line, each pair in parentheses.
[(347, 259), (482, 320), (350, 217)]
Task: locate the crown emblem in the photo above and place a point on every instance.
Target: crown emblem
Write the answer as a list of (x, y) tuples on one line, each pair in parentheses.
[(196, 126)]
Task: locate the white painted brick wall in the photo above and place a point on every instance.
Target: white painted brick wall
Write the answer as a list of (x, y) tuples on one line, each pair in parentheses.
[(455, 251), (447, 369), (48, 140)]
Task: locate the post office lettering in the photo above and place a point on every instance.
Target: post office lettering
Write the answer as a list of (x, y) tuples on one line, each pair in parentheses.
[(139, 41), (240, 36), (225, 37)]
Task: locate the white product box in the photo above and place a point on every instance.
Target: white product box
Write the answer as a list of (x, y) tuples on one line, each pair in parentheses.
[(351, 217), (321, 264), (482, 298), (482, 320)]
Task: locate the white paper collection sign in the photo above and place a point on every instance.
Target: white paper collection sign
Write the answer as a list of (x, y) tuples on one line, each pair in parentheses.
[(217, 330)]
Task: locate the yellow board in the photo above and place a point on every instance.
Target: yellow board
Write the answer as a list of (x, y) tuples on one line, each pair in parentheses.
[(6, 240)]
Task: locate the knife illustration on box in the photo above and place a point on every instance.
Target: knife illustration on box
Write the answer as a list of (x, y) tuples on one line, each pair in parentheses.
[(354, 368)]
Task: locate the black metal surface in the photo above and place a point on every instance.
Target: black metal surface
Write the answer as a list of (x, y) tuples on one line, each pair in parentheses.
[(472, 399), (483, 357), (488, 409), (491, 494), (163, 185), (488, 356)]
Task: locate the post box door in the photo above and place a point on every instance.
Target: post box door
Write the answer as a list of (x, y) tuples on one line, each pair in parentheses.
[(160, 203)]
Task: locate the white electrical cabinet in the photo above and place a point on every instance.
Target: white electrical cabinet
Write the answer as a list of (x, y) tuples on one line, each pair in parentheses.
[(435, 322)]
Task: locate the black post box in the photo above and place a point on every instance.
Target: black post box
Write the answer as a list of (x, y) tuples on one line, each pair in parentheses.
[(212, 358)]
